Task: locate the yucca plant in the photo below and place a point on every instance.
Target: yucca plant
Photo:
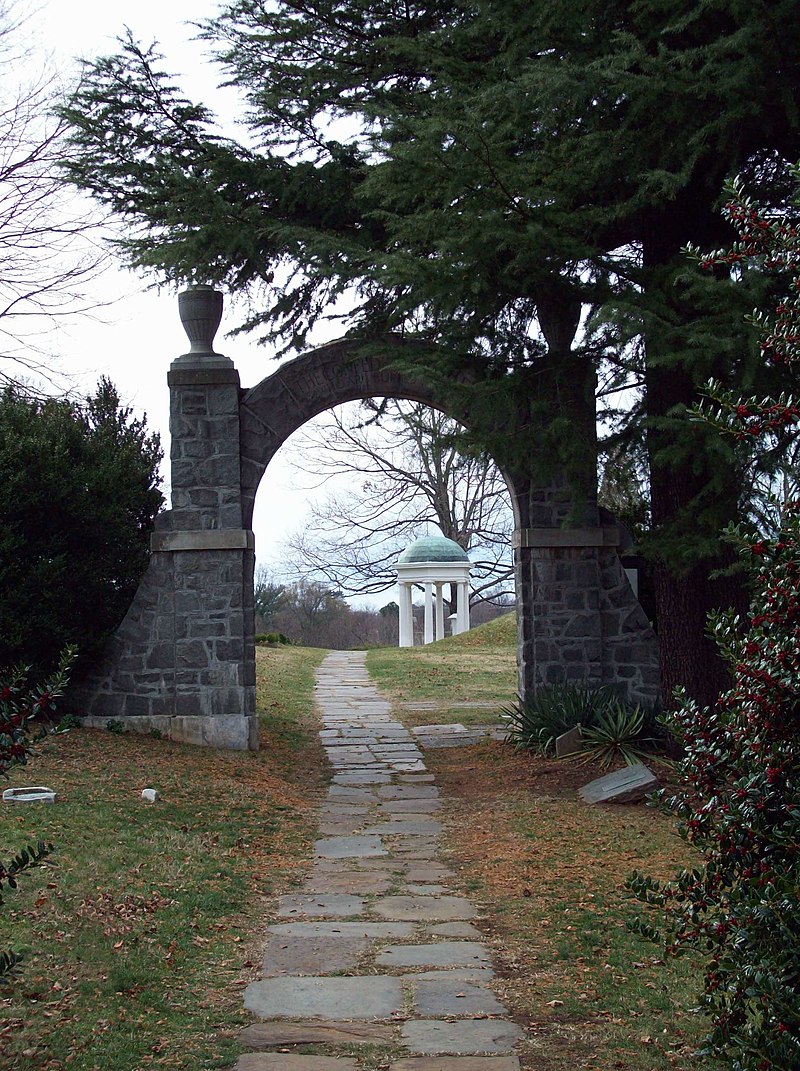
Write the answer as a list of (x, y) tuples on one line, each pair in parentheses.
[(536, 722), (616, 732)]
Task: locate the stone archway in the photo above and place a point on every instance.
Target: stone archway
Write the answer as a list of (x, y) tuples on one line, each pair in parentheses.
[(183, 660)]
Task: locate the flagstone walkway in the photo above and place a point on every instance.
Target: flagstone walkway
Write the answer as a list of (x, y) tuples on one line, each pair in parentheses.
[(375, 951)]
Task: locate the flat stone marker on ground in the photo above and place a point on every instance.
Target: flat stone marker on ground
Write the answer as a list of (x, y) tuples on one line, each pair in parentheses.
[(470, 1037), (569, 743), (314, 1032), (439, 729), (624, 786), (367, 997)]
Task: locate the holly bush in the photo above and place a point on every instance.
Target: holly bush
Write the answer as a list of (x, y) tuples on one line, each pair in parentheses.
[(738, 802)]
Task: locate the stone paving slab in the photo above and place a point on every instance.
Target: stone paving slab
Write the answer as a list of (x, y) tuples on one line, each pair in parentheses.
[(345, 929), (314, 1032), (430, 871), (408, 792), (456, 1063), (319, 955), (480, 973), (438, 954), (419, 806), (347, 792), (362, 777), (344, 847), (448, 996), (281, 1061), (375, 882), (323, 905), (423, 908), (359, 997), (470, 1037), (457, 929), (396, 829), (342, 828)]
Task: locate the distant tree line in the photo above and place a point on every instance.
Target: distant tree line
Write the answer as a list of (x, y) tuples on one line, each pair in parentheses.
[(309, 613)]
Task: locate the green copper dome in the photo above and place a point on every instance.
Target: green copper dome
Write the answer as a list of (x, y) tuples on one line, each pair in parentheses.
[(432, 549)]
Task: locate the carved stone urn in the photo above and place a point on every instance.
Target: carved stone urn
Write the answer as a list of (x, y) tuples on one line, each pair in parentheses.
[(200, 310)]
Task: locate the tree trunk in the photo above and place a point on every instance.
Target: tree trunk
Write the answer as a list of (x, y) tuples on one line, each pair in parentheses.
[(694, 494)]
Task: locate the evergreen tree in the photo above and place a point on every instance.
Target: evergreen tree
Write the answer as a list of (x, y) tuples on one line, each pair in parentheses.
[(474, 174), (80, 495)]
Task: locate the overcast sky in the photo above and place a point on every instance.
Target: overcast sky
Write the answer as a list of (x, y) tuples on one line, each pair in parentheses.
[(134, 339)]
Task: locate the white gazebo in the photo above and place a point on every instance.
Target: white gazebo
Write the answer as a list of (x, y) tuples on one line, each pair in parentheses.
[(432, 562)]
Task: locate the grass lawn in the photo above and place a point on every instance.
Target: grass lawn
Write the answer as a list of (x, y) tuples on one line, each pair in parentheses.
[(549, 872), (146, 923), (476, 667)]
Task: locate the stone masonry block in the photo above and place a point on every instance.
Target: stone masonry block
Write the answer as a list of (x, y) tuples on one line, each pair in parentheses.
[(224, 401), (201, 629), (191, 654), (161, 656), (192, 402), (217, 471), (225, 702)]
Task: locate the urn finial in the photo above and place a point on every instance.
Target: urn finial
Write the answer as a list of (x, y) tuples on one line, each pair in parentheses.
[(200, 310)]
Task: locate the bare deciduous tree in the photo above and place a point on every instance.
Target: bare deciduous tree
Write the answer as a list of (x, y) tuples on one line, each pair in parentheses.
[(405, 478), (48, 249)]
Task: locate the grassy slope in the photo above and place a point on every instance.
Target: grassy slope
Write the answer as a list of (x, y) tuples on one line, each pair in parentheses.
[(145, 925), (478, 666)]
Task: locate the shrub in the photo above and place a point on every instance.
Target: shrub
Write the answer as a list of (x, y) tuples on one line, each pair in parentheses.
[(271, 639), (551, 710), (618, 731), (26, 708), (80, 491)]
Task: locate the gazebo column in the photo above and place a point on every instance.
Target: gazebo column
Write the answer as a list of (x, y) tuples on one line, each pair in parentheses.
[(406, 617), (462, 607), (428, 613), (439, 613)]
